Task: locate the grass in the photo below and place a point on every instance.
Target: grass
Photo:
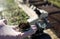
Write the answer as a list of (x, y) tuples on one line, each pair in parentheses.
[(55, 2)]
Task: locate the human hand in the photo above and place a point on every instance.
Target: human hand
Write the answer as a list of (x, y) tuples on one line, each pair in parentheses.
[(34, 27), (3, 22)]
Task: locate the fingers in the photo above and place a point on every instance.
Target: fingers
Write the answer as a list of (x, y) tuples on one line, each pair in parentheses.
[(3, 22), (34, 27)]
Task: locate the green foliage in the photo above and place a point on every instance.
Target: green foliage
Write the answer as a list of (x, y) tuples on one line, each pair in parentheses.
[(10, 1), (56, 2), (11, 4), (15, 16), (13, 13)]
